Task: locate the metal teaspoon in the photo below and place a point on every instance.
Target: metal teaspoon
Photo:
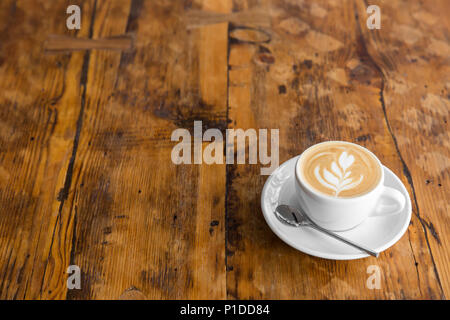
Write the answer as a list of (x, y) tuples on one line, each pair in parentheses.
[(298, 218)]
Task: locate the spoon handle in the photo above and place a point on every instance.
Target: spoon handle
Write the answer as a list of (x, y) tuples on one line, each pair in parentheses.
[(334, 235)]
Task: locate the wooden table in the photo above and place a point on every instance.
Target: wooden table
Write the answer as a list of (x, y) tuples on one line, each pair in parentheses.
[(86, 176)]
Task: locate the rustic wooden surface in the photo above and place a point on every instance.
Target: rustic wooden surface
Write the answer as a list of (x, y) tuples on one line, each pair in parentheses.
[(85, 170)]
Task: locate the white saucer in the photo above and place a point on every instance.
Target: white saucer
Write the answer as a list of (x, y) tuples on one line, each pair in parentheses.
[(377, 233)]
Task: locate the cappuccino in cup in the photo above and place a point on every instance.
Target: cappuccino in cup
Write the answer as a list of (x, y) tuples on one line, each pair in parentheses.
[(340, 169), (340, 184)]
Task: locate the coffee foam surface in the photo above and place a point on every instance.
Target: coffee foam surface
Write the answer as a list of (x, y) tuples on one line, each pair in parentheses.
[(340, 169)]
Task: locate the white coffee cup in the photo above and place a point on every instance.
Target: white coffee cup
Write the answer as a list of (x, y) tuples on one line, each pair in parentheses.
[(340, 214)]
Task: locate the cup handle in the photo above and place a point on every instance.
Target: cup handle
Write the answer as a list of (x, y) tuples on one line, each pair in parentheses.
[(397, 203)]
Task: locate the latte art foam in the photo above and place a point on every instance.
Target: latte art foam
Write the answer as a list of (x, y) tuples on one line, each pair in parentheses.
[(340, 169)]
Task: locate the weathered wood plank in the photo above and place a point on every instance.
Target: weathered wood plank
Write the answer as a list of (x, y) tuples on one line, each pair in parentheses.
[(316, 76), (143, 224), (111, 18), (412, 52)]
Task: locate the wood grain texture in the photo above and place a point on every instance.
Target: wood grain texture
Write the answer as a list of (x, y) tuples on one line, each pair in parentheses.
[(414, 67), (55, 43), (41, 99), (323, 99), (86, 176)]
